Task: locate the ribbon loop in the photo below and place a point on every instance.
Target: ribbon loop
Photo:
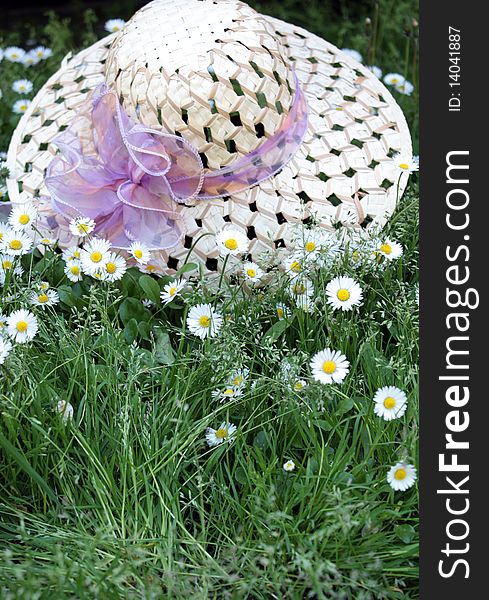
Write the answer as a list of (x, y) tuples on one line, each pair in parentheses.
[(129, 178)]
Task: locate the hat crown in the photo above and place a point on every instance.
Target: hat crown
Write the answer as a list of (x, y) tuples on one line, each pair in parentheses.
[(212, 71)]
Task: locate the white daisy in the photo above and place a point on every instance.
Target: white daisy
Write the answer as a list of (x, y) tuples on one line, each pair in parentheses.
[(299, 385), (114, 268), (252, 272), (353, 54), (3, 325), (309, 242), (29, 59), (231, 240), (41, 52), (377, 71), (238, 377), (14, 54), (289, 466), (94, 255), (16, 242), (44, 298), (224, 433), (305, 303), (47, 242), (22, 326), (82, 226), (21, 106), (405, 164), (140, 252), (71, 254), (22, 216), (151, 269), (401, 476), (329, 366), (294, 265), (172, 289), (343, 293), (406, 88), (390, 402), (22, 86), (394, 79), (301, 288), (390, 249), (7, 263), (65, 409), (282, 311), (203, 321), (73, 270), (113, 25), (228, 393), (5, 348)]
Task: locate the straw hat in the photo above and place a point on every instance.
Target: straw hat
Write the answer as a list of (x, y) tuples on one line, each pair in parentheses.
[(225, 79)]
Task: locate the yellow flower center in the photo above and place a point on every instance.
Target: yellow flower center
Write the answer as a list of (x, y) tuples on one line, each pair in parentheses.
[(238, 380), (355, 255), (21, 326), (221, 433), (76, 254), (343, 295), (24, 219), (386, 248), (46, 241), (400, 474), (296, 266), (82, 227), (111, 267), (228, 392), (404, 166), (231, 244), (310, 246), (75, 270), (329, 366), (298, 385), (138, 253), (280, 312), (7, 264), (389, 402), (204, 321), (42, 298), (173, 291), (150, 268), (251, 273), (299, 288), (96, 256), (15, 244)]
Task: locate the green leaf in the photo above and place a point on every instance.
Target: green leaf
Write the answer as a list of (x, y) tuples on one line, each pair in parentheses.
[(131, 331), (374, 361), (345, 405), (186, 268), (131, 308), (261, 440), (67, 296), (144, 330), (276, 330), (405, 533), (163, 351), (150, 287), (240, 476)]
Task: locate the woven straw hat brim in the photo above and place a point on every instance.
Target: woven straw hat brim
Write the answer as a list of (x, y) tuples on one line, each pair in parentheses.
[(343, 172)]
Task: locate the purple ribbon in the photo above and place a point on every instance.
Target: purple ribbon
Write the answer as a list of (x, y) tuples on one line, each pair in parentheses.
[(127, 177)]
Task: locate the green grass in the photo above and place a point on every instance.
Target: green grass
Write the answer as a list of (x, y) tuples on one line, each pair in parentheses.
[(128, 500)]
